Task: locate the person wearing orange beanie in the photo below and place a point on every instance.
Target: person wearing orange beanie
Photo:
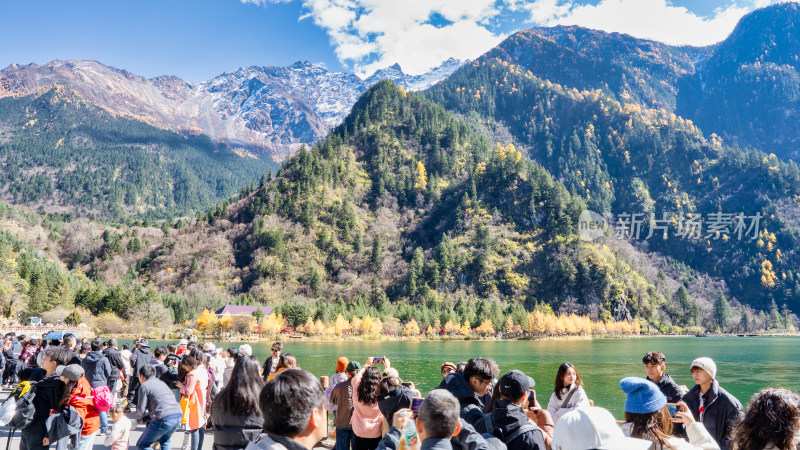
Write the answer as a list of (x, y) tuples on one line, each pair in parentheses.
[(341, 364), (338, 377)]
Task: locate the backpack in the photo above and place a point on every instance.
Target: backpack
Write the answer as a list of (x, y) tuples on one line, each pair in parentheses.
[(103, 398), (18, 409), (487, 420)]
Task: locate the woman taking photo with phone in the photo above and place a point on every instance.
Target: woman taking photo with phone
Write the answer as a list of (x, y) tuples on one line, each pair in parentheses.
[(393, 396), (568, 394), (367, 419), (647, 416)]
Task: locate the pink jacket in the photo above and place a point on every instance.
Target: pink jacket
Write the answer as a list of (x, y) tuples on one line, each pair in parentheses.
[(367, 420), (195, 388)]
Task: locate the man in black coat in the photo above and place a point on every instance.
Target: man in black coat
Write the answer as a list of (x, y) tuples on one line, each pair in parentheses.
[(140, 357), (70, 343), (654, 366), (508, 421), (49, 389), (11, 360), (117, 366), (272, 361), (473, 388), (714, 407)]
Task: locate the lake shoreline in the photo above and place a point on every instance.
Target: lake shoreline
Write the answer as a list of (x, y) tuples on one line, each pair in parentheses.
[(389, 338)]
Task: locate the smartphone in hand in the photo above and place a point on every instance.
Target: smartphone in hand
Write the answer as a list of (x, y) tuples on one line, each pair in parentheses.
[(531, 399), (377, 360), (415, 404), (673, 410)]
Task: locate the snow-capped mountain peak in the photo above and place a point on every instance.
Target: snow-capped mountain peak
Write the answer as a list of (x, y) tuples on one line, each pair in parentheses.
[(273, 109)]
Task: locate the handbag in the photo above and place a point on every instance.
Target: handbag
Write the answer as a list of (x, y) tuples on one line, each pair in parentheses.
[(184, 410)]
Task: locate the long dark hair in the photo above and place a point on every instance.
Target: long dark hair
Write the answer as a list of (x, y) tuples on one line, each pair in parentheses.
[(190, 361), (654, 427), (240, 396), (560, 378), (67, 393), (370, 386), (771, 417)]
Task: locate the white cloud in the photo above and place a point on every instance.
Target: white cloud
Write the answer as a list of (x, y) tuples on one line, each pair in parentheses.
[(371, 34), (650, 19), (367, 35)]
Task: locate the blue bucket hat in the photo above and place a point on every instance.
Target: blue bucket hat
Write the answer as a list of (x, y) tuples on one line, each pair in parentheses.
[(643, 396)]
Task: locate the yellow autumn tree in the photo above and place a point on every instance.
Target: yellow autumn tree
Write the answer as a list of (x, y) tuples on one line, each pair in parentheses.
[(451, 328), (560, 325), (599, 328), (550, 324), (465, 329), (486, 328), (509, 326), (319, 328), (366, 326), (355, 325), (207, 321), (377, 326), (420, 177), (571, 324), (534, 323), (584, 325), (341, 326), (308, 328), (272, 324), (430, 331), (411, 328), (225, 324), (768, 277)]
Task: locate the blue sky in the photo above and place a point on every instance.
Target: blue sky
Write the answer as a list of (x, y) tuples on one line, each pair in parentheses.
[(198, 39)]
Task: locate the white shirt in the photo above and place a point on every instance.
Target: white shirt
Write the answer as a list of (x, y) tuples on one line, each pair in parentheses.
[(579, 400)]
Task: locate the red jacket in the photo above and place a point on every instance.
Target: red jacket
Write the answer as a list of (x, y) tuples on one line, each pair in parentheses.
[(81, 399)]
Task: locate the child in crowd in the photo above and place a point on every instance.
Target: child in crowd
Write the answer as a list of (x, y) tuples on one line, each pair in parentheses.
[(120, 431)]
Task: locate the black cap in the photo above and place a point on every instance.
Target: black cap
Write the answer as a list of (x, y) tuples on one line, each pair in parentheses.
[(514, 384)]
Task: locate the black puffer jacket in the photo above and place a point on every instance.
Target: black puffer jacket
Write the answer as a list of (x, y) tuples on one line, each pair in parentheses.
[(507, 418), (396, 399), (48, 393), (472, 406), (669, 388), (140, 357), (234, 432), (117, 366), (722, 412)]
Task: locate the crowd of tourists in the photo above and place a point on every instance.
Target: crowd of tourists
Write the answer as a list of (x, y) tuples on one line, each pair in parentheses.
[(71, 394)]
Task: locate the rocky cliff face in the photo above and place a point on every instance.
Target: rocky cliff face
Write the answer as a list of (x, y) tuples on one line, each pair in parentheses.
[(263, 109)]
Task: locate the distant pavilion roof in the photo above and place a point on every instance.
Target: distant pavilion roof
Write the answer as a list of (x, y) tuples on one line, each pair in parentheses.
[(242, 310)]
